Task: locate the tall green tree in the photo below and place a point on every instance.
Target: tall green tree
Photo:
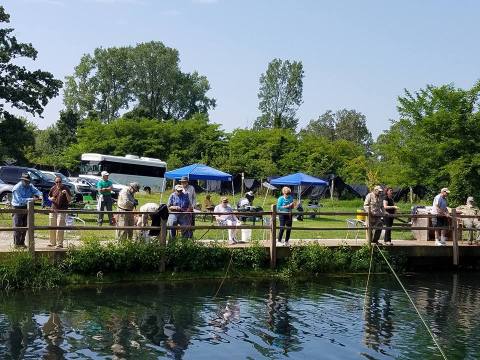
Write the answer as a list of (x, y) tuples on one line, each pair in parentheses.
[(21, 89), (145, 81), (344, 124), (280, 95), (436, 142)]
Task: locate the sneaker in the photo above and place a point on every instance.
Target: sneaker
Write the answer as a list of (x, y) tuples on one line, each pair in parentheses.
[(388, 243), (439, 243), (20, 246), (59, 247)]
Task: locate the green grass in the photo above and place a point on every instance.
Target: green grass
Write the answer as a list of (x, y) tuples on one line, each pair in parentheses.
[(320, 220)]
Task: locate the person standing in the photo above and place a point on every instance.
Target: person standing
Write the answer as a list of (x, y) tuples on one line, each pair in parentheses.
[(470, 224), (390, 209), (285, 205), (22, 193), (105, 201), (192, 197), (373, 201), (60, 197), (227, 219), (178, 202), (126, 203), (439, 209)]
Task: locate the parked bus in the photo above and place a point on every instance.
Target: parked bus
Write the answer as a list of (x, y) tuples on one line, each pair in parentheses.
[(148, 172)]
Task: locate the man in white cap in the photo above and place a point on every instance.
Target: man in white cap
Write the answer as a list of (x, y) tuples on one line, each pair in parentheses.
[(126, 202), (470, 224), (439, 208), (105, 201), (177, 203), (374, 202)]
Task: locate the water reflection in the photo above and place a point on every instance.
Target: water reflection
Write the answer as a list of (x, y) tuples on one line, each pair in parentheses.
[(378, 317), (261, 319)]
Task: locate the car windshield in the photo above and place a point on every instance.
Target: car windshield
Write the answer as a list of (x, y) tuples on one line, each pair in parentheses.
[(35, 175), (63, 177), (49, 176)]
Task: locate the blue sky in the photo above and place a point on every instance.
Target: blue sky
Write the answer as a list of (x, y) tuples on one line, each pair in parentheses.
[(356, 54)]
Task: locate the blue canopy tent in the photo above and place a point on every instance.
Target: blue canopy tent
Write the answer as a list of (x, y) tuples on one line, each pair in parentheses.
[(298, 179), (199, 172)]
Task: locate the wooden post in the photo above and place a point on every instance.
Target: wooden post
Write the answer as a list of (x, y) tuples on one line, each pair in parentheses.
[(369, 226), (163, 242), (455, 237), (273, 238), (30, 226)]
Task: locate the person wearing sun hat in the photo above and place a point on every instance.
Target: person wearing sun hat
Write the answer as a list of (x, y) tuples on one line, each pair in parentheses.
[(178, 202), (192, 197), (126, 202), (22, 193), (374, 203), (439, 208)]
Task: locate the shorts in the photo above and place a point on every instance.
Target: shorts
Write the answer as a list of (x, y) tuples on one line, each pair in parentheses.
[(439, 221)]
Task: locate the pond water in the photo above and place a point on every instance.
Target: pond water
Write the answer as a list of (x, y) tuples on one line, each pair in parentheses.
[(321, 319)]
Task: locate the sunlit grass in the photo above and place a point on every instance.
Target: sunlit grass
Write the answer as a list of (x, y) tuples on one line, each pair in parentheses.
[(324, 221)]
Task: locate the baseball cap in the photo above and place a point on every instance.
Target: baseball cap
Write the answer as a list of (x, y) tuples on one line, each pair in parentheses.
[(378, 188), (105, 173), (470, 199), (179, 187), (445, 190), (224, 199), (184, 178)]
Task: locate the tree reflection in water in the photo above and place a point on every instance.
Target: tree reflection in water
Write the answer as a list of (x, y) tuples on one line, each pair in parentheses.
[(250, 319)]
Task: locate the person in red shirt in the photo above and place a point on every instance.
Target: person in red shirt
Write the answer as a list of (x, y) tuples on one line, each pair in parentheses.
[(60, 197)]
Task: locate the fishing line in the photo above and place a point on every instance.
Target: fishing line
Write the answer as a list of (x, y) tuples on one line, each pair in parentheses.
[(225, 276), (413, 304)]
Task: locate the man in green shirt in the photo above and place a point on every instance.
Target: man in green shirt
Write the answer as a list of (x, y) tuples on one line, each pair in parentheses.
[(104, 198)]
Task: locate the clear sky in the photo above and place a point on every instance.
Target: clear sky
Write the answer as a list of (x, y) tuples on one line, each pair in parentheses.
[(356, 54)]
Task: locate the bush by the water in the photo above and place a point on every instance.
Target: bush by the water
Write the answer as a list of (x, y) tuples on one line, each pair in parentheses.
[(21, 270)]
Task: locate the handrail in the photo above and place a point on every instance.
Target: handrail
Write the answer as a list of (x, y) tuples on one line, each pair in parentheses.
[(369, 226)]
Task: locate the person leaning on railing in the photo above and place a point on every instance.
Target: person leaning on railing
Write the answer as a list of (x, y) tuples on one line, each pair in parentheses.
[(126, 202), (22, 193), (374, 203), (440, 209), (390, 209), (178, 202), (60, 197)]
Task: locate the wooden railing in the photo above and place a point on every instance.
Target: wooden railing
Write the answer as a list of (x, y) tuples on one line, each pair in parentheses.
[(272, 227)]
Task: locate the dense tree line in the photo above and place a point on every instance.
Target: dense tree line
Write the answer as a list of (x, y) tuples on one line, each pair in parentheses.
[(135, 100)]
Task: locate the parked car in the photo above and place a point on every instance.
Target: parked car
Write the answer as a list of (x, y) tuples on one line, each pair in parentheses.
[(52, 174), (12, 175), (5, 193), (84, 187), (116, 188)]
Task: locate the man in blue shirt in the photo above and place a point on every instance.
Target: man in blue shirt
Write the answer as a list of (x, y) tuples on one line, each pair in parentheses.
[(22, 193), (179, 202)]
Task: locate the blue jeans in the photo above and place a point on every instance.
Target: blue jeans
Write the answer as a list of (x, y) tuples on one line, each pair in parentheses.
[(178, 219)]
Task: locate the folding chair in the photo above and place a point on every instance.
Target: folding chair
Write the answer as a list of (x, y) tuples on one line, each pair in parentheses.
[(354, 225), (70, 221)]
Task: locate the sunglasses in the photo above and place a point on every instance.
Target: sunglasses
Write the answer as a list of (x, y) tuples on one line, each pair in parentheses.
[(58, 182)]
